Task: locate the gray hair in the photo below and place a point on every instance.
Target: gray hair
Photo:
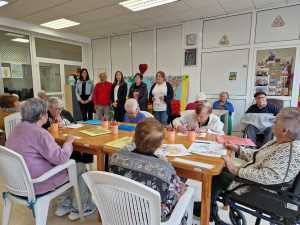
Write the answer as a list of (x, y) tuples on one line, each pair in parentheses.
[(290, 118), (131, 104), (42, 94), (33, 109), (224, 93), (54, 101)]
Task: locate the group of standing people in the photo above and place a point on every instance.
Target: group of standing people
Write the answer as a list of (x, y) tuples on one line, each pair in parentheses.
[(106, 96)]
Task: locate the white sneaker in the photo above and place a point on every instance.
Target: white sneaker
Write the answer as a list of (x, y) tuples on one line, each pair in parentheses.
[(63, 210), (74, 215)]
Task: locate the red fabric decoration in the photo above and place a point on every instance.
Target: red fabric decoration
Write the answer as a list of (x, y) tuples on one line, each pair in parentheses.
[(175, 107), (143, 68)]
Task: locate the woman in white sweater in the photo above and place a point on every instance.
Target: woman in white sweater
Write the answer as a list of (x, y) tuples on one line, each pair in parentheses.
[(202, 120)]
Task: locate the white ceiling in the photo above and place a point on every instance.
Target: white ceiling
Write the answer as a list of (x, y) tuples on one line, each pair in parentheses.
[(102, 17)]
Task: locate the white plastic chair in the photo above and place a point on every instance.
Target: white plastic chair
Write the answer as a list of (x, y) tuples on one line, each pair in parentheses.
[(147, 114), (10, 122), (19, 186), (122, 201)]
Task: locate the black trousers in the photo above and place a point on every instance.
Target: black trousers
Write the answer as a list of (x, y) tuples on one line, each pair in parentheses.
[(87, 111), (119, 113)]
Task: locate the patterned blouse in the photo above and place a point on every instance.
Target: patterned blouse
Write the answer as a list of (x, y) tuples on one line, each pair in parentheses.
[(153, 172)]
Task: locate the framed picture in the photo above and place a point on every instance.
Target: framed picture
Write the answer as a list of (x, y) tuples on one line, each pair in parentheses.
[(190, 57), (191, 39)]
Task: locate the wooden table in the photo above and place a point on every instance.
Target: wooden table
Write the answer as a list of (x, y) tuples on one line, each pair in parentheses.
[(96, 146)]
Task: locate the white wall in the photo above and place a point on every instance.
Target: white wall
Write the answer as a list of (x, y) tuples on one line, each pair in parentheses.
[(163, 49)]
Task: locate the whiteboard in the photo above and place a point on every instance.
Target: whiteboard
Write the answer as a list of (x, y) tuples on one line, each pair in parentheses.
[(216, 68), (235, 28), (143, 51), (169, 50), (101, 59), (120, 54)]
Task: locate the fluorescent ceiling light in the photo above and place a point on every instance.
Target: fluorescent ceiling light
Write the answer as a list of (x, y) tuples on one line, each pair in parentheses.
[(3, 3), (138, 5), (22, 40), (14, 35), (60, 24)]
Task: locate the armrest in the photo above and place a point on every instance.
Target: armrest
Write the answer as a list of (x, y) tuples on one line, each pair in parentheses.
[(54, 171), (181, 207)]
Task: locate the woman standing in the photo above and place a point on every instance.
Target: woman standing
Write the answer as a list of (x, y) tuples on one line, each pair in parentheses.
[(139, 91), (161, 95), (84, 94), (118, 96)]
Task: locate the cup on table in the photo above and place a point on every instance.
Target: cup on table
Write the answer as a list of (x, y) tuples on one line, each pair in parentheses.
[(191, 135), (171, 134), (54, 127), (105, 124), (114, 128)]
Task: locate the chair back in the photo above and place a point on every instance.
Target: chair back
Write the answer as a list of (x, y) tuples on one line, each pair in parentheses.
[(277, 102), (122, 201), (10, 122), (14, 171)]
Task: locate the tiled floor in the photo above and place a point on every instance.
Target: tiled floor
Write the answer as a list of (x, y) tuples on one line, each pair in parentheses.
[(22, 216)]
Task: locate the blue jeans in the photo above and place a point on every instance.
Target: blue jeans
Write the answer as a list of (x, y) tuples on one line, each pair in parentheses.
[(161, 116)]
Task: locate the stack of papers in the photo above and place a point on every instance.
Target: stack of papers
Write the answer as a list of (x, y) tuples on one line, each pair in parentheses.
[(194, 163), (172, 150), (95, 131), (120, 143), (74, 125), (208, 148)]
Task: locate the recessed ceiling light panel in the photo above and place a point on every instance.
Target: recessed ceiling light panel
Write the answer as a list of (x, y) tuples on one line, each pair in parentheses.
[(3, 3), (138, 5), (21, 40), (60, 24)]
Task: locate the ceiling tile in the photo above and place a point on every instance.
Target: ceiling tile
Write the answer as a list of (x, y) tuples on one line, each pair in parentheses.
[(268, 3), (236, 5)]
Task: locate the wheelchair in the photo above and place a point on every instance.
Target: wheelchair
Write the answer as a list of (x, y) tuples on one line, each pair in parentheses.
[(277, 204)]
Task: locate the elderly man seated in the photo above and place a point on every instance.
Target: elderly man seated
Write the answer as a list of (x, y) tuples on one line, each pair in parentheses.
[(133, 114), (269, 165), (202, 120), (259, 118)]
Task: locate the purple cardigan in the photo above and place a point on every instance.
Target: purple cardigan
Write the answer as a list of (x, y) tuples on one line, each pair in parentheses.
[(41, 153)]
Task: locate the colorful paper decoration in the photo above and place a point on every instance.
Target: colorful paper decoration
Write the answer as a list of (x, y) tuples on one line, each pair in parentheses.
[(224, 40), (278, 22)]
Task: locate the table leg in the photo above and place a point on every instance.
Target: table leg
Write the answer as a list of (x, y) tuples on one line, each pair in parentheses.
[(205, 199), (100, 160)]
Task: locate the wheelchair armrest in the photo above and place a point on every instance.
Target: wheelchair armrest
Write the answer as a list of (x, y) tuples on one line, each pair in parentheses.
[(54, 171), (274, 187)]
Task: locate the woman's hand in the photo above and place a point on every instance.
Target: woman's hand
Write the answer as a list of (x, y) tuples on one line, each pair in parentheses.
[(230, 166), (82, 102), (201, 130), (115, 104), (232, 147), (70, 139), (182, 129)]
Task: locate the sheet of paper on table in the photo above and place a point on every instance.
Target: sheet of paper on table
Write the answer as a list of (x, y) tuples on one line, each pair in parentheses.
[(172, 150), (208, 148), (200, 135), (194, 163), (120, 143), (74, 125), (95, 131)]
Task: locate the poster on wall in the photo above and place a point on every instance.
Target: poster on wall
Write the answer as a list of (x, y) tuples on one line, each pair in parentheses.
[(275, 71), (232, 76), (6, 72), (190, 57), (16, 70)]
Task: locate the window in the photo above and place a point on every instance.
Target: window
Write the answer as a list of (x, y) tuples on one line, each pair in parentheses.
[(15, 65)]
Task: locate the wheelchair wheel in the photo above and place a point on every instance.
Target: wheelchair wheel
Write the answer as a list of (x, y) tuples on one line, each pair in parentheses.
[(236, 217)]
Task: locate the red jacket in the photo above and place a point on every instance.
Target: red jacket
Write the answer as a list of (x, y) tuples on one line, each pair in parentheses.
[(101, 94)]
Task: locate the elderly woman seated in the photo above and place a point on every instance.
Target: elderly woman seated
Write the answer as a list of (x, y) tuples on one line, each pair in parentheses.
[(41, 154), (269, 165), (57, 113), (202, 120), (133, 114), (160, 176)]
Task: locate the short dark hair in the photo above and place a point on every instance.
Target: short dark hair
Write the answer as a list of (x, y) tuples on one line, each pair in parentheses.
[(138, 75), (260, 93), (149, 135), (87, 72)]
